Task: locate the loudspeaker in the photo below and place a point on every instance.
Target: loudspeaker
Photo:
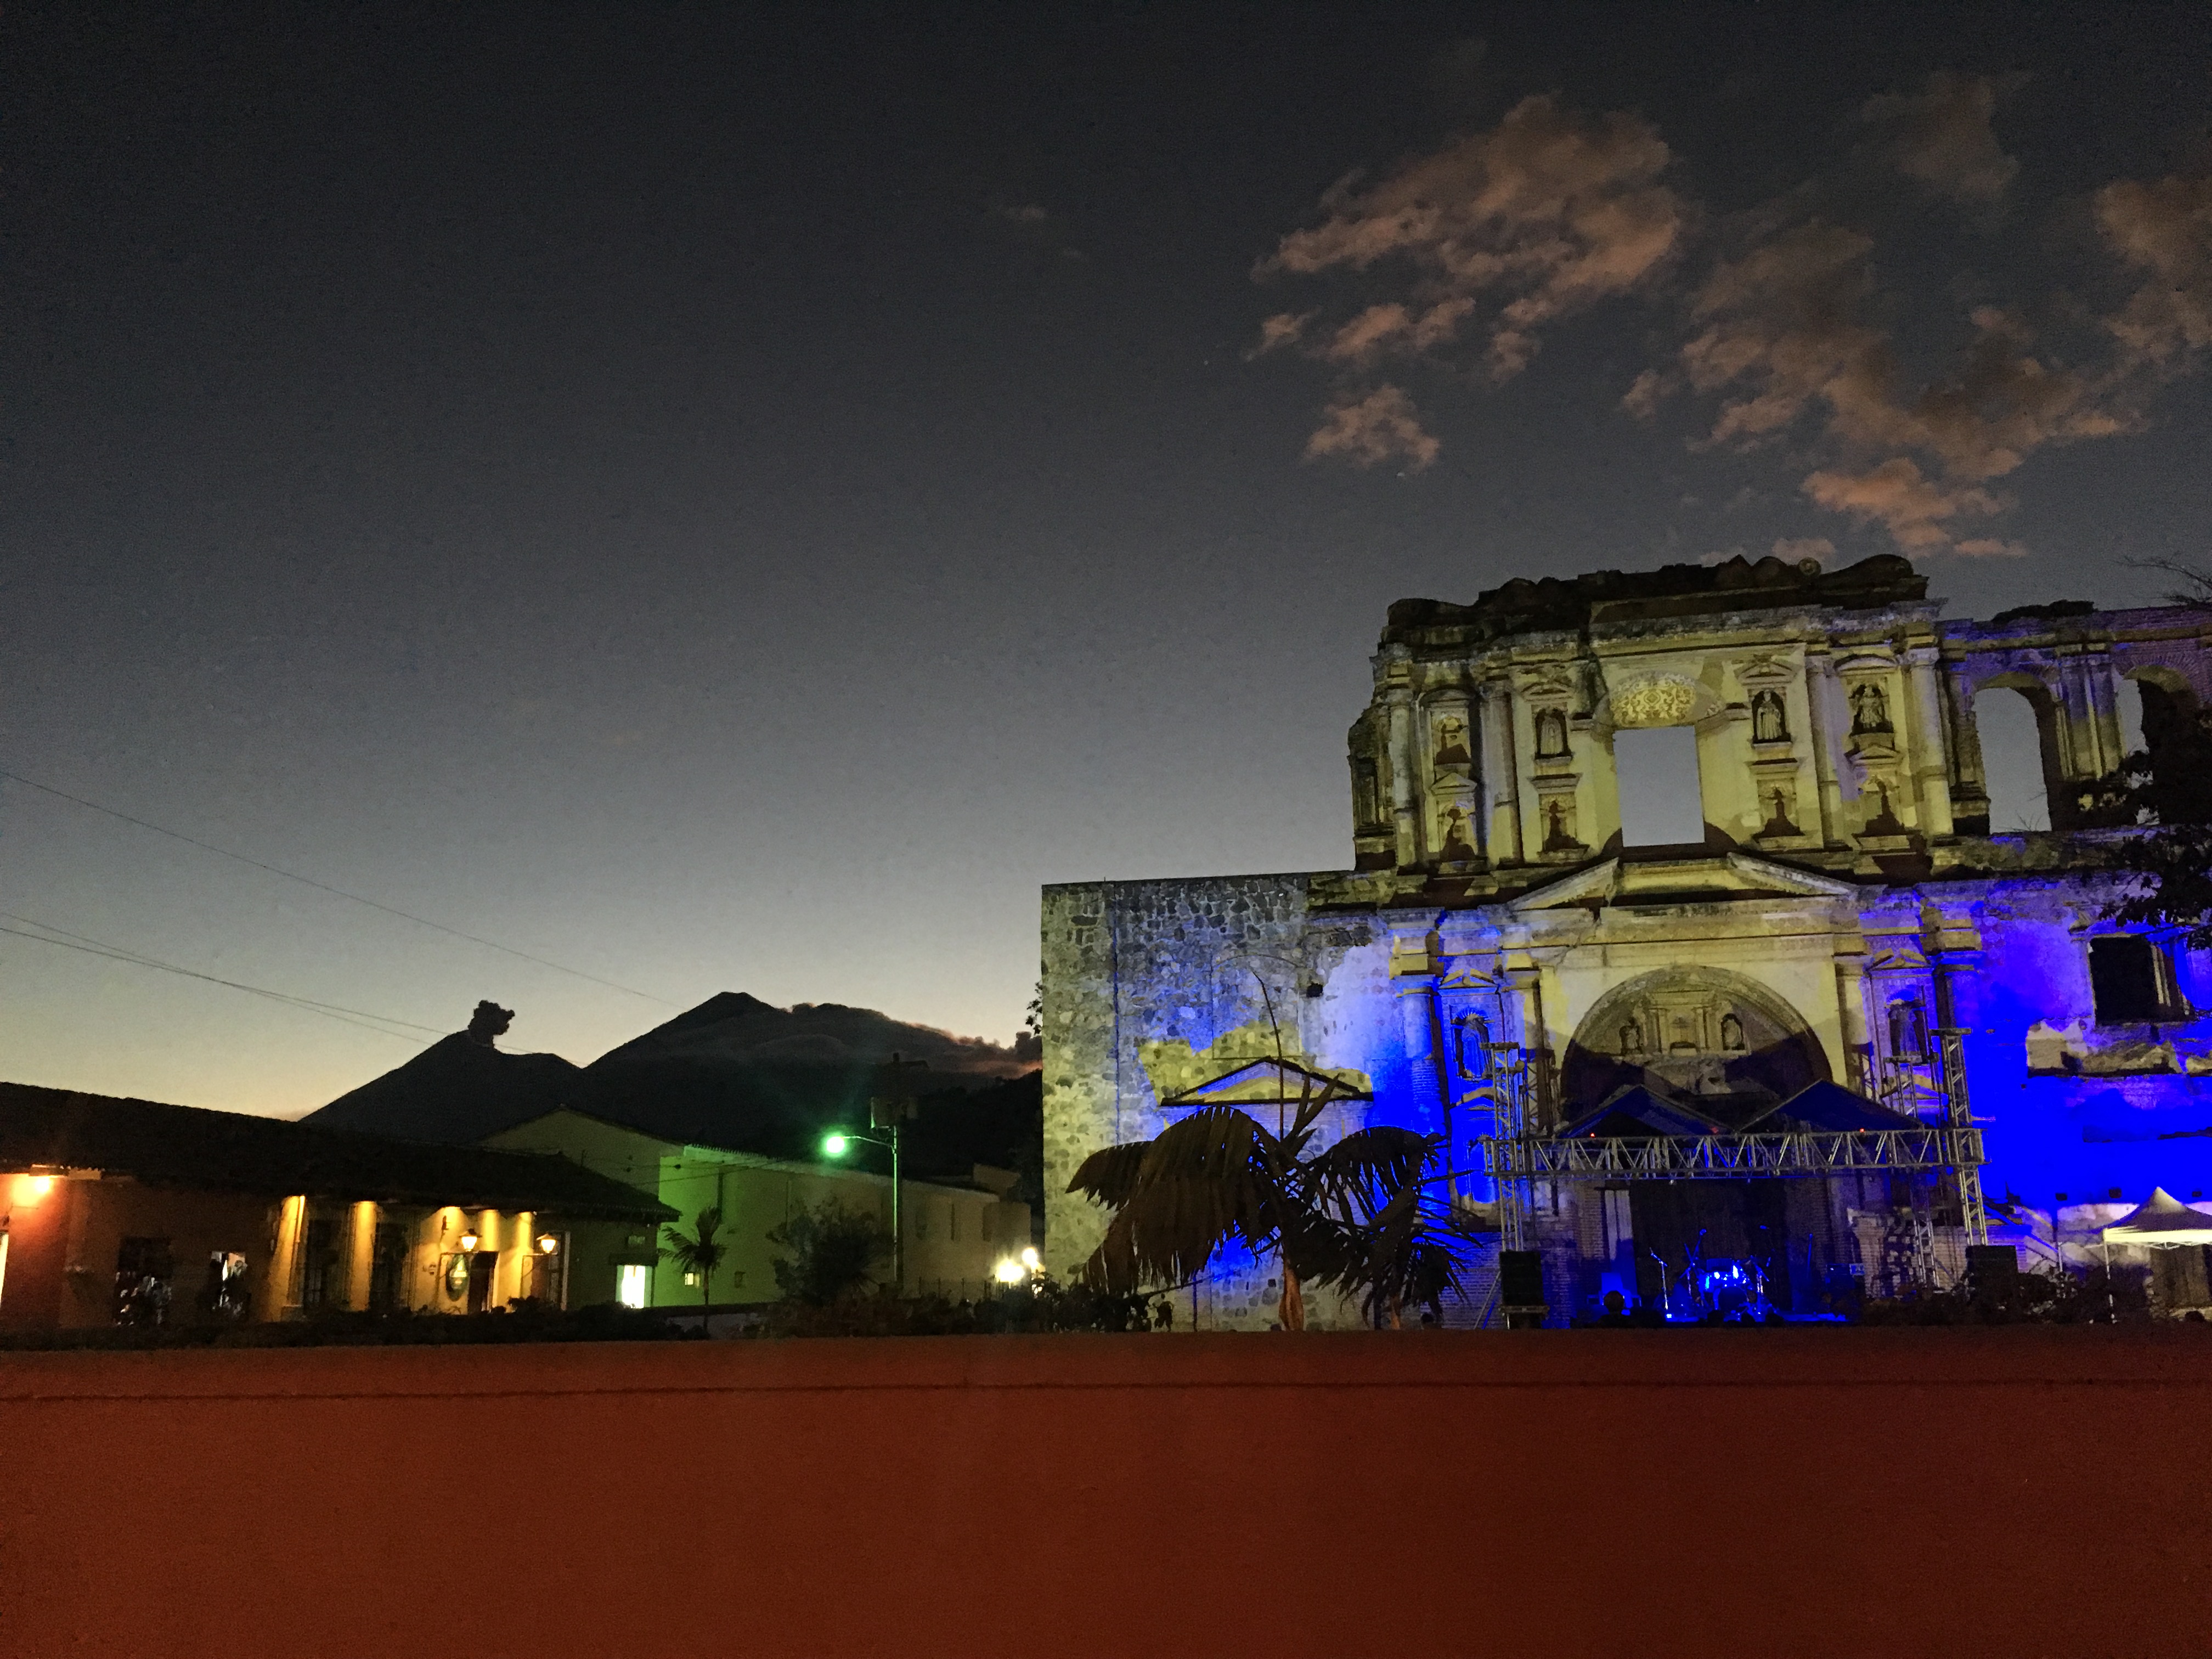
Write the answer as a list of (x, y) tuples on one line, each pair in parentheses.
[(1521, 1279), (1992, 1271)]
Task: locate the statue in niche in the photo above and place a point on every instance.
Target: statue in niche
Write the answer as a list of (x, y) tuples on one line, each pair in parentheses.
[(1769, 720), (1632, 1038), (1908, 1032), (1884, 821), (1451, 741), (1551, 734), (1471, 1046), (1870, 708), (1778, 824), (1732, 1033), (1456, 845), (1559, 832)]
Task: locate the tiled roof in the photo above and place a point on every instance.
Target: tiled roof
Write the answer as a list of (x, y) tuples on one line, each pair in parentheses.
[(192, 1148)]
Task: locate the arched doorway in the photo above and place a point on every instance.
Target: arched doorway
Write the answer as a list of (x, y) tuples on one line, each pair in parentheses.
[(1710, 1037), (1728, 1048)]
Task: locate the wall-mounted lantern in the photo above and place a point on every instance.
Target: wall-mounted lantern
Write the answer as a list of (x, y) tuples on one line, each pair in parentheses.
[(548, 1243), (470, 1239)]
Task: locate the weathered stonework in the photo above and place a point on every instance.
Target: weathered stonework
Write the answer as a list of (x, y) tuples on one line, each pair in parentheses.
[(1846, 902)]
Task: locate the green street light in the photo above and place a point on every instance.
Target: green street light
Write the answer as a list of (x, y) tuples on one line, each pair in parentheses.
[(836, 1145)]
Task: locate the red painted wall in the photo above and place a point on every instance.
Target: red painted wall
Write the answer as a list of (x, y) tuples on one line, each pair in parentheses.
[(1791, 1492)]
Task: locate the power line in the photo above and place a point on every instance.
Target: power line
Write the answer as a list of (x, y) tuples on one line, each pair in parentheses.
[(322, 886), (307, 1004), (126, 952)]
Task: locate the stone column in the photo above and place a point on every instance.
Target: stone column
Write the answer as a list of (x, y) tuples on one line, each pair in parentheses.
[(1969, 777), (1403, 810), (1851, 1006), (1501, 776), (1930, 766), (1826, 735), (1413, 985)]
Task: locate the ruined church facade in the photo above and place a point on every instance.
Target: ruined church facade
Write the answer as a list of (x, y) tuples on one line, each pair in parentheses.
[(1839, 912)]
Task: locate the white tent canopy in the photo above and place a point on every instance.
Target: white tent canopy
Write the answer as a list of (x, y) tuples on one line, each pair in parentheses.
[(2162, 1222)]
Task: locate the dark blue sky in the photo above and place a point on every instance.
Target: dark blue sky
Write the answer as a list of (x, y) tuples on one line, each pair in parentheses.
[(736, 499)]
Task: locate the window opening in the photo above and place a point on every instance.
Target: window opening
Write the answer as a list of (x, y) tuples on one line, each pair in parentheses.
[(225, 1295), (482, 1266), (1662, 802), (318, 1259), (387, 1267), (2131, 980), (2012, 761), (633, 1284), (143, 1268)]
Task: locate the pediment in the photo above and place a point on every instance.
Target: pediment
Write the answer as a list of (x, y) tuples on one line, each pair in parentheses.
[(1712, 880), (1270, 1082)]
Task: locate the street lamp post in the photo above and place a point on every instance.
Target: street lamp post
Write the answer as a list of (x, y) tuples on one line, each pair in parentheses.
[(837, 1144), (889, 1110)]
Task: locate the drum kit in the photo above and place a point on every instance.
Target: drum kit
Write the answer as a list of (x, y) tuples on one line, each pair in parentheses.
[(1728, 1287)]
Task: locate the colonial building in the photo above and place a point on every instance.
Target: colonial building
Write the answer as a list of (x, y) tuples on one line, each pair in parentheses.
[(1909, 1033), (957, 1234), (131, 1212)]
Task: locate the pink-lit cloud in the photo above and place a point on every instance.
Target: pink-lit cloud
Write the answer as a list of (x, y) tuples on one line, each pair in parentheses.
[(1465, 257), (1488, 239), (1373, 429), (2163, 230), (1914, 510), (1941, 136)]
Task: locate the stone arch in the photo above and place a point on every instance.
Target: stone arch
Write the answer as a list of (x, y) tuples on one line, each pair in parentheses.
[(2001, 780), (1716, 1038), (2169, 701)]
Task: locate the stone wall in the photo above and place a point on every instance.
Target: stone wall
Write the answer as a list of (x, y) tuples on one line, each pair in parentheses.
[(1153, 986)]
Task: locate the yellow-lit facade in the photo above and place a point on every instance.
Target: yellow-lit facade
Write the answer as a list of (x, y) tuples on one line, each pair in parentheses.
[(956, 1235)]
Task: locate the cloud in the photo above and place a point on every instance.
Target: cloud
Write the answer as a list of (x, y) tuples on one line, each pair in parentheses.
[(1368, 431), (1895, 495), (2165, 230), (1794, 548), (1986, 547), (1384, 328), (1651, 389), (1784, 333), (1942, 137), (1283, 329), (1549, 212), (1028, 214)]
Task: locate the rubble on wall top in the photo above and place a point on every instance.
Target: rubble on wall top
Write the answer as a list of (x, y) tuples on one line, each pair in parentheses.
[(1524, 606)]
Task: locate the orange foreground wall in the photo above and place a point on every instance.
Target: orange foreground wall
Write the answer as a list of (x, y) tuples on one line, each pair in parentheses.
[(1925, 1493)]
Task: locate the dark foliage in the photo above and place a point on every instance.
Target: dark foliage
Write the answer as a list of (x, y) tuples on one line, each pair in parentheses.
[(1018, 1311), (834, 1253), (2166, 787), (2038, 1298), (1353, 1215)]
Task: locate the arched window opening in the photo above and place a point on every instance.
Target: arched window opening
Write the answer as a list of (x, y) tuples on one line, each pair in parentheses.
[(2012, 761), (2131, 980)]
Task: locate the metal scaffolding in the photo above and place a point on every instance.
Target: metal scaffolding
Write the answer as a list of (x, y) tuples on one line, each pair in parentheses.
[(1726, 1157)]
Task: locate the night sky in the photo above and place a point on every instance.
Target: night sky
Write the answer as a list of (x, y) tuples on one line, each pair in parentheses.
[(734, 498)]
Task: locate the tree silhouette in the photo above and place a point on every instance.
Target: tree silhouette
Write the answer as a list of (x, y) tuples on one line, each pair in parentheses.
[(698, 1252), (1351, 1215)]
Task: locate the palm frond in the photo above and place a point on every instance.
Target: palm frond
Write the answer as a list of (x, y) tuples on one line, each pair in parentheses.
[(1366, 1170), (1109, 1174), (1201, 1182)]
